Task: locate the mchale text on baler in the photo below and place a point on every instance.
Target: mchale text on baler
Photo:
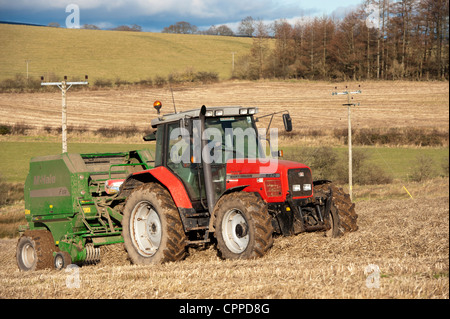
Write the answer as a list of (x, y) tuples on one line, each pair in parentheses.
[(193, 190)]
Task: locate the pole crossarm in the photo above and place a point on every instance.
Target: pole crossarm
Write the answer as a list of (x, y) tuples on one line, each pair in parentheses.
[(60, 83)]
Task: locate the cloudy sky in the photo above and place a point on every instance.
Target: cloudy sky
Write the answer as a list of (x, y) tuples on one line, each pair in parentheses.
[(153, 15)]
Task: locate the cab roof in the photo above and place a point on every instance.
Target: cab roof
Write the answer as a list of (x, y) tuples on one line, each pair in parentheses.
[(216, 111)]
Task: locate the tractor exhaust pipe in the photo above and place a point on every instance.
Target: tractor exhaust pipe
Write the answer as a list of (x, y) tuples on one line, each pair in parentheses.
[(206, 163)]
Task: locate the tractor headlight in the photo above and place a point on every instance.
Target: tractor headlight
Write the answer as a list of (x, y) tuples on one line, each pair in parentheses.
[(219, 113), (209, 113), (296, 188), (243, 111), (306, 187), (252, 111)]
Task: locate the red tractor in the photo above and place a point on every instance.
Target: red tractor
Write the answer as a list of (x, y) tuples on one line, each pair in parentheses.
[(213, 182)]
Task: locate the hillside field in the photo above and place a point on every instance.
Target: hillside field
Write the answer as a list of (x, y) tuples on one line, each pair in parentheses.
[(129, 56)]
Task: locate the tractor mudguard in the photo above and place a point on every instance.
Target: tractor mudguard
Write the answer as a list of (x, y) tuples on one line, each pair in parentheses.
[(163, 176), (321, 182)]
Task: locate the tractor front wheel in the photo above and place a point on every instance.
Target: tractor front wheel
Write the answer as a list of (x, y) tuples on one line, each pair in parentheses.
[(152, 228), (343, 217), (243, 226)]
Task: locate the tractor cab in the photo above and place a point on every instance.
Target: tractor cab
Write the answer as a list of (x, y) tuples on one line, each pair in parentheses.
[(229, 135)]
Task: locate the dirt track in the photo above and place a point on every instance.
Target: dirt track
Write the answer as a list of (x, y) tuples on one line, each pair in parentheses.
[(408, 240)]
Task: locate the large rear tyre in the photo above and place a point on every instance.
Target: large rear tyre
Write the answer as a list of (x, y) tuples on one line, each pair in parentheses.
[(243, 226), (152, 228), (343, 217), (34, 250)]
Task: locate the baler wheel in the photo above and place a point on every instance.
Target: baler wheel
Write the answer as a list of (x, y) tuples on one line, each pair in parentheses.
[(62, 260), (152, 228), (34, 250)]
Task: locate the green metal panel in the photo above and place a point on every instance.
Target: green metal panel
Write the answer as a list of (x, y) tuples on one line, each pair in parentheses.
[(49, 187), (65, 194)]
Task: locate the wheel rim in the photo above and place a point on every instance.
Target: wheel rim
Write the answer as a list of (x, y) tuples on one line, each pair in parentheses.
[(28, 255), (146, 229), (59, 263), (235, 231), (329, 232)]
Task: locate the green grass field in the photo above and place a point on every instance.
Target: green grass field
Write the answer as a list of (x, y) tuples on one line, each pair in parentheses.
[(400, 163), (130, 56), (397, 162)]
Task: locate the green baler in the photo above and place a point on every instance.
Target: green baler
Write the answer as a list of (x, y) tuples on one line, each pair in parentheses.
[(72, 206)]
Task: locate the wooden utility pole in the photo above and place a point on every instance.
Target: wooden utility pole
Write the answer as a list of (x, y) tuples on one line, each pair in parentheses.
[(232, 66), (350, 155), (64, 86), (27, 61)]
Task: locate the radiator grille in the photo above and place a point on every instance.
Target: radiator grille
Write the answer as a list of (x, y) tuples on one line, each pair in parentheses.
[(300, 182)]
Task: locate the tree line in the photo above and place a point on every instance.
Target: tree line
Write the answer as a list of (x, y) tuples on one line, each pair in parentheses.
[(383, 39), (183, 27)]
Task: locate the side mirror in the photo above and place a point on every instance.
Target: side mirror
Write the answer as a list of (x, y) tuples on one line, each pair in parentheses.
[(287, 122), (150, 137)]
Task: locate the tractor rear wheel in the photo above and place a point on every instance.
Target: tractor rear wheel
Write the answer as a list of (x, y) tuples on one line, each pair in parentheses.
[(341, 207), (34, 250), (243, 226), (152, 228)]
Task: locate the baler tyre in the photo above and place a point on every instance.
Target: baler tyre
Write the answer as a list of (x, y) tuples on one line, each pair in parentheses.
[(342, 207), (243, 226), (152, 228), (34, 250), (62, 260)]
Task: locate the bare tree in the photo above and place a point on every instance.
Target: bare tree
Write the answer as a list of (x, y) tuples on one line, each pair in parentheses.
[(247, 27), (283, 52), (222, 30), (260, 47)]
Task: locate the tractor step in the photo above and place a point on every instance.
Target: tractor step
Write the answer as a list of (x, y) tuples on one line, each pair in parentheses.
[(199, 228), (198, 242)]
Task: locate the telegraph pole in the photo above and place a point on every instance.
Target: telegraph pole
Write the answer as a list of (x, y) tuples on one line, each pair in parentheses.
[(27, 61), (232, 67), (350, 157), (64, 86)]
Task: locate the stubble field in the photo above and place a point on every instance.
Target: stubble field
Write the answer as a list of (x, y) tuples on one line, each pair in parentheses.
[(311, 104), (400, 251)]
